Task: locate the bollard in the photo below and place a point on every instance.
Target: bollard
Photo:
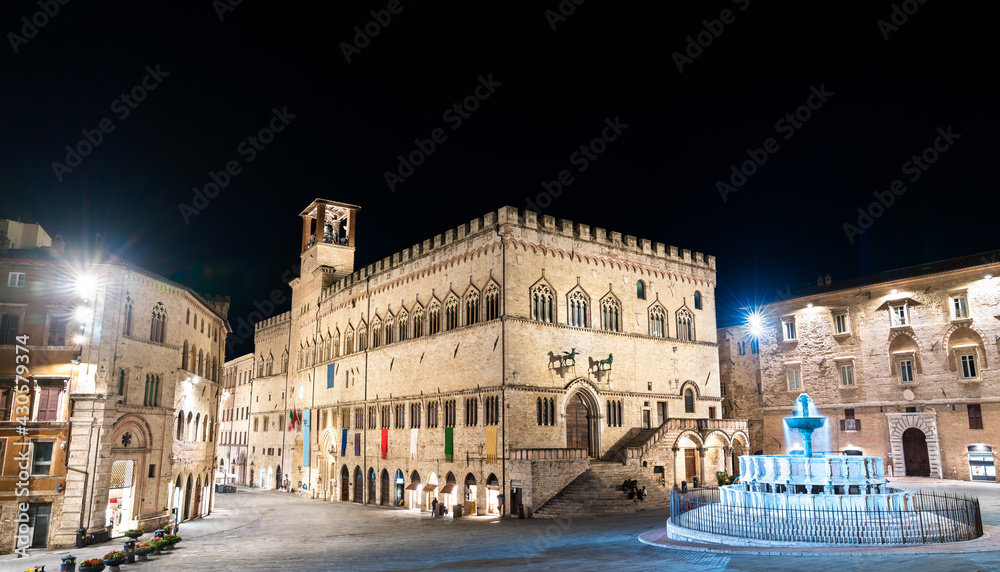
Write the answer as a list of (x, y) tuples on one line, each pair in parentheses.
[(130, 551), (68, 564), (81, 537), (684, 486), (696, 481)]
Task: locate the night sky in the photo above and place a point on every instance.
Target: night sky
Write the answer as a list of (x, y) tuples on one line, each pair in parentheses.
[(692, 91)]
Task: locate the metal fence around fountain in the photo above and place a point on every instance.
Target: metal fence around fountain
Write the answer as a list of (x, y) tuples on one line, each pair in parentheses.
[(935, 518)]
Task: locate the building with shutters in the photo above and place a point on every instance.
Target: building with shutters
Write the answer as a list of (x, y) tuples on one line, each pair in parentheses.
[(511, 354), (118, 399), (904, 364)]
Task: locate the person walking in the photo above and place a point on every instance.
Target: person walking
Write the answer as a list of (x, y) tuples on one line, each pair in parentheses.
[(434, 508)]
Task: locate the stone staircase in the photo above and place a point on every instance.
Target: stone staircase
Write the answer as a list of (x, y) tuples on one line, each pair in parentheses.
[(598, 490)]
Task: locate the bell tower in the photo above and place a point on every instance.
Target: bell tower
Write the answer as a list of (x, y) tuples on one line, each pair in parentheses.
[(327, 240)]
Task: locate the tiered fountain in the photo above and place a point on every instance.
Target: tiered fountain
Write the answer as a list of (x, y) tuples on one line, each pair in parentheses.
[(808, 499)]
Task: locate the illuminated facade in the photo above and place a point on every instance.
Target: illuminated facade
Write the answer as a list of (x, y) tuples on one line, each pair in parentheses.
[(126, 365), (904, 364), (512, 353)]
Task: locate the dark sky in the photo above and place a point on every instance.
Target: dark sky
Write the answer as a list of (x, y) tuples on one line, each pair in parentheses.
[(220, 79)]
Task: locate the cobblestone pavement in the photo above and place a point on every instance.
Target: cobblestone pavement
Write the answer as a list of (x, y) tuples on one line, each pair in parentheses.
[(266, 530)]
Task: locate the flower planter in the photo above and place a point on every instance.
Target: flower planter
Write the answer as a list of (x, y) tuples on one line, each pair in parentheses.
[(92, 568), (114, 564)]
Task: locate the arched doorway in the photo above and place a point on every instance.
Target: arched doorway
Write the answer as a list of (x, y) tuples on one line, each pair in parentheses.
[(345, 484), (359, 485), (371, 486), (397, 500), (177, 507), (492, 494), (915, 455), (470, 494), (414, 491), (270, 476), (197, 499), (187, 499), (384, 488), (577, 423), (277, 478)]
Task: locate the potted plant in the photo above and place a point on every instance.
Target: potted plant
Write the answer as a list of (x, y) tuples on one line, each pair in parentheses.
[(158, 545), (114, 559), (141, 550), (134, 533), (92, 565), (171, 539)]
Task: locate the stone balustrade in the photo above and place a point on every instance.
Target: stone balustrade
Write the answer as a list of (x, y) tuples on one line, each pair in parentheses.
[(775, 473)]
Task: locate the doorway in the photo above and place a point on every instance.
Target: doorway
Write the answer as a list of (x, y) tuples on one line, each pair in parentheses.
[(187, 499), (371, 486), (345, 484), (915, 456), (577, 424), (359, 485), (38, 523), (121, 500), (384, 488), (661, 412), (690, 465)]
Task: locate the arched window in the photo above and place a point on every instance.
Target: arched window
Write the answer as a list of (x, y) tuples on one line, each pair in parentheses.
[(284, 362), (657, 322), (128, 315), (362, 337), (434, 318), (349, 342), (201, 362), (688, 401), (388, 329), (270, 364), (158, 326), (404, 317), (418, 322), (576, 309), (184, 357), (541, 303), (611, 314), (260, 366), (685, 325), (180, 425), (492, 302), (336, 343), (121, 382), (640, 290), (546, 411), (451, 313), (697, 300), (472, 307), (197, 427), (187, 320), (376, 333)]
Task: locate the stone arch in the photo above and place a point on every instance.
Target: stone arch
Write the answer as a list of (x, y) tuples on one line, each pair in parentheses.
[(138, 430), (964, 334), (740, 436), (926, 422), (589, 395), (726, 440), (902, 343), (691, 434)]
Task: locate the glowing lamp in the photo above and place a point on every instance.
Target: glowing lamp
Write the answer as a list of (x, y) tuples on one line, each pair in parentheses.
[(79, 339), (86, 286)]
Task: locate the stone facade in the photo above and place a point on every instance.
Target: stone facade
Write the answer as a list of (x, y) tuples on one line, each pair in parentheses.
[(234, 428), (904, 366), (441, 371), (137, 358)]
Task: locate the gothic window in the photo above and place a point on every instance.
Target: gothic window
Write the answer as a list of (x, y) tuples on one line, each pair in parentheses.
[(388, 329), (685, 325), (362, 337), (434, 318), (201, 362), (128, 315), (451, 313), (697, 300), (471, 412), (472, 307), (611, 314), (640, 290), (545, 410), (492, 302), (449, 413), (184, 357), (614, 412), (688, 401), (349, 342), (187, 320), (158, 326), (415, 415), (284, 362), (376, 333), (657, 322), (418, 322), (151, 397), (432, 414), (401, 324), (400, 416), (491, 410), (121, 382), (576, 309), (541, 303), (270, 364)]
